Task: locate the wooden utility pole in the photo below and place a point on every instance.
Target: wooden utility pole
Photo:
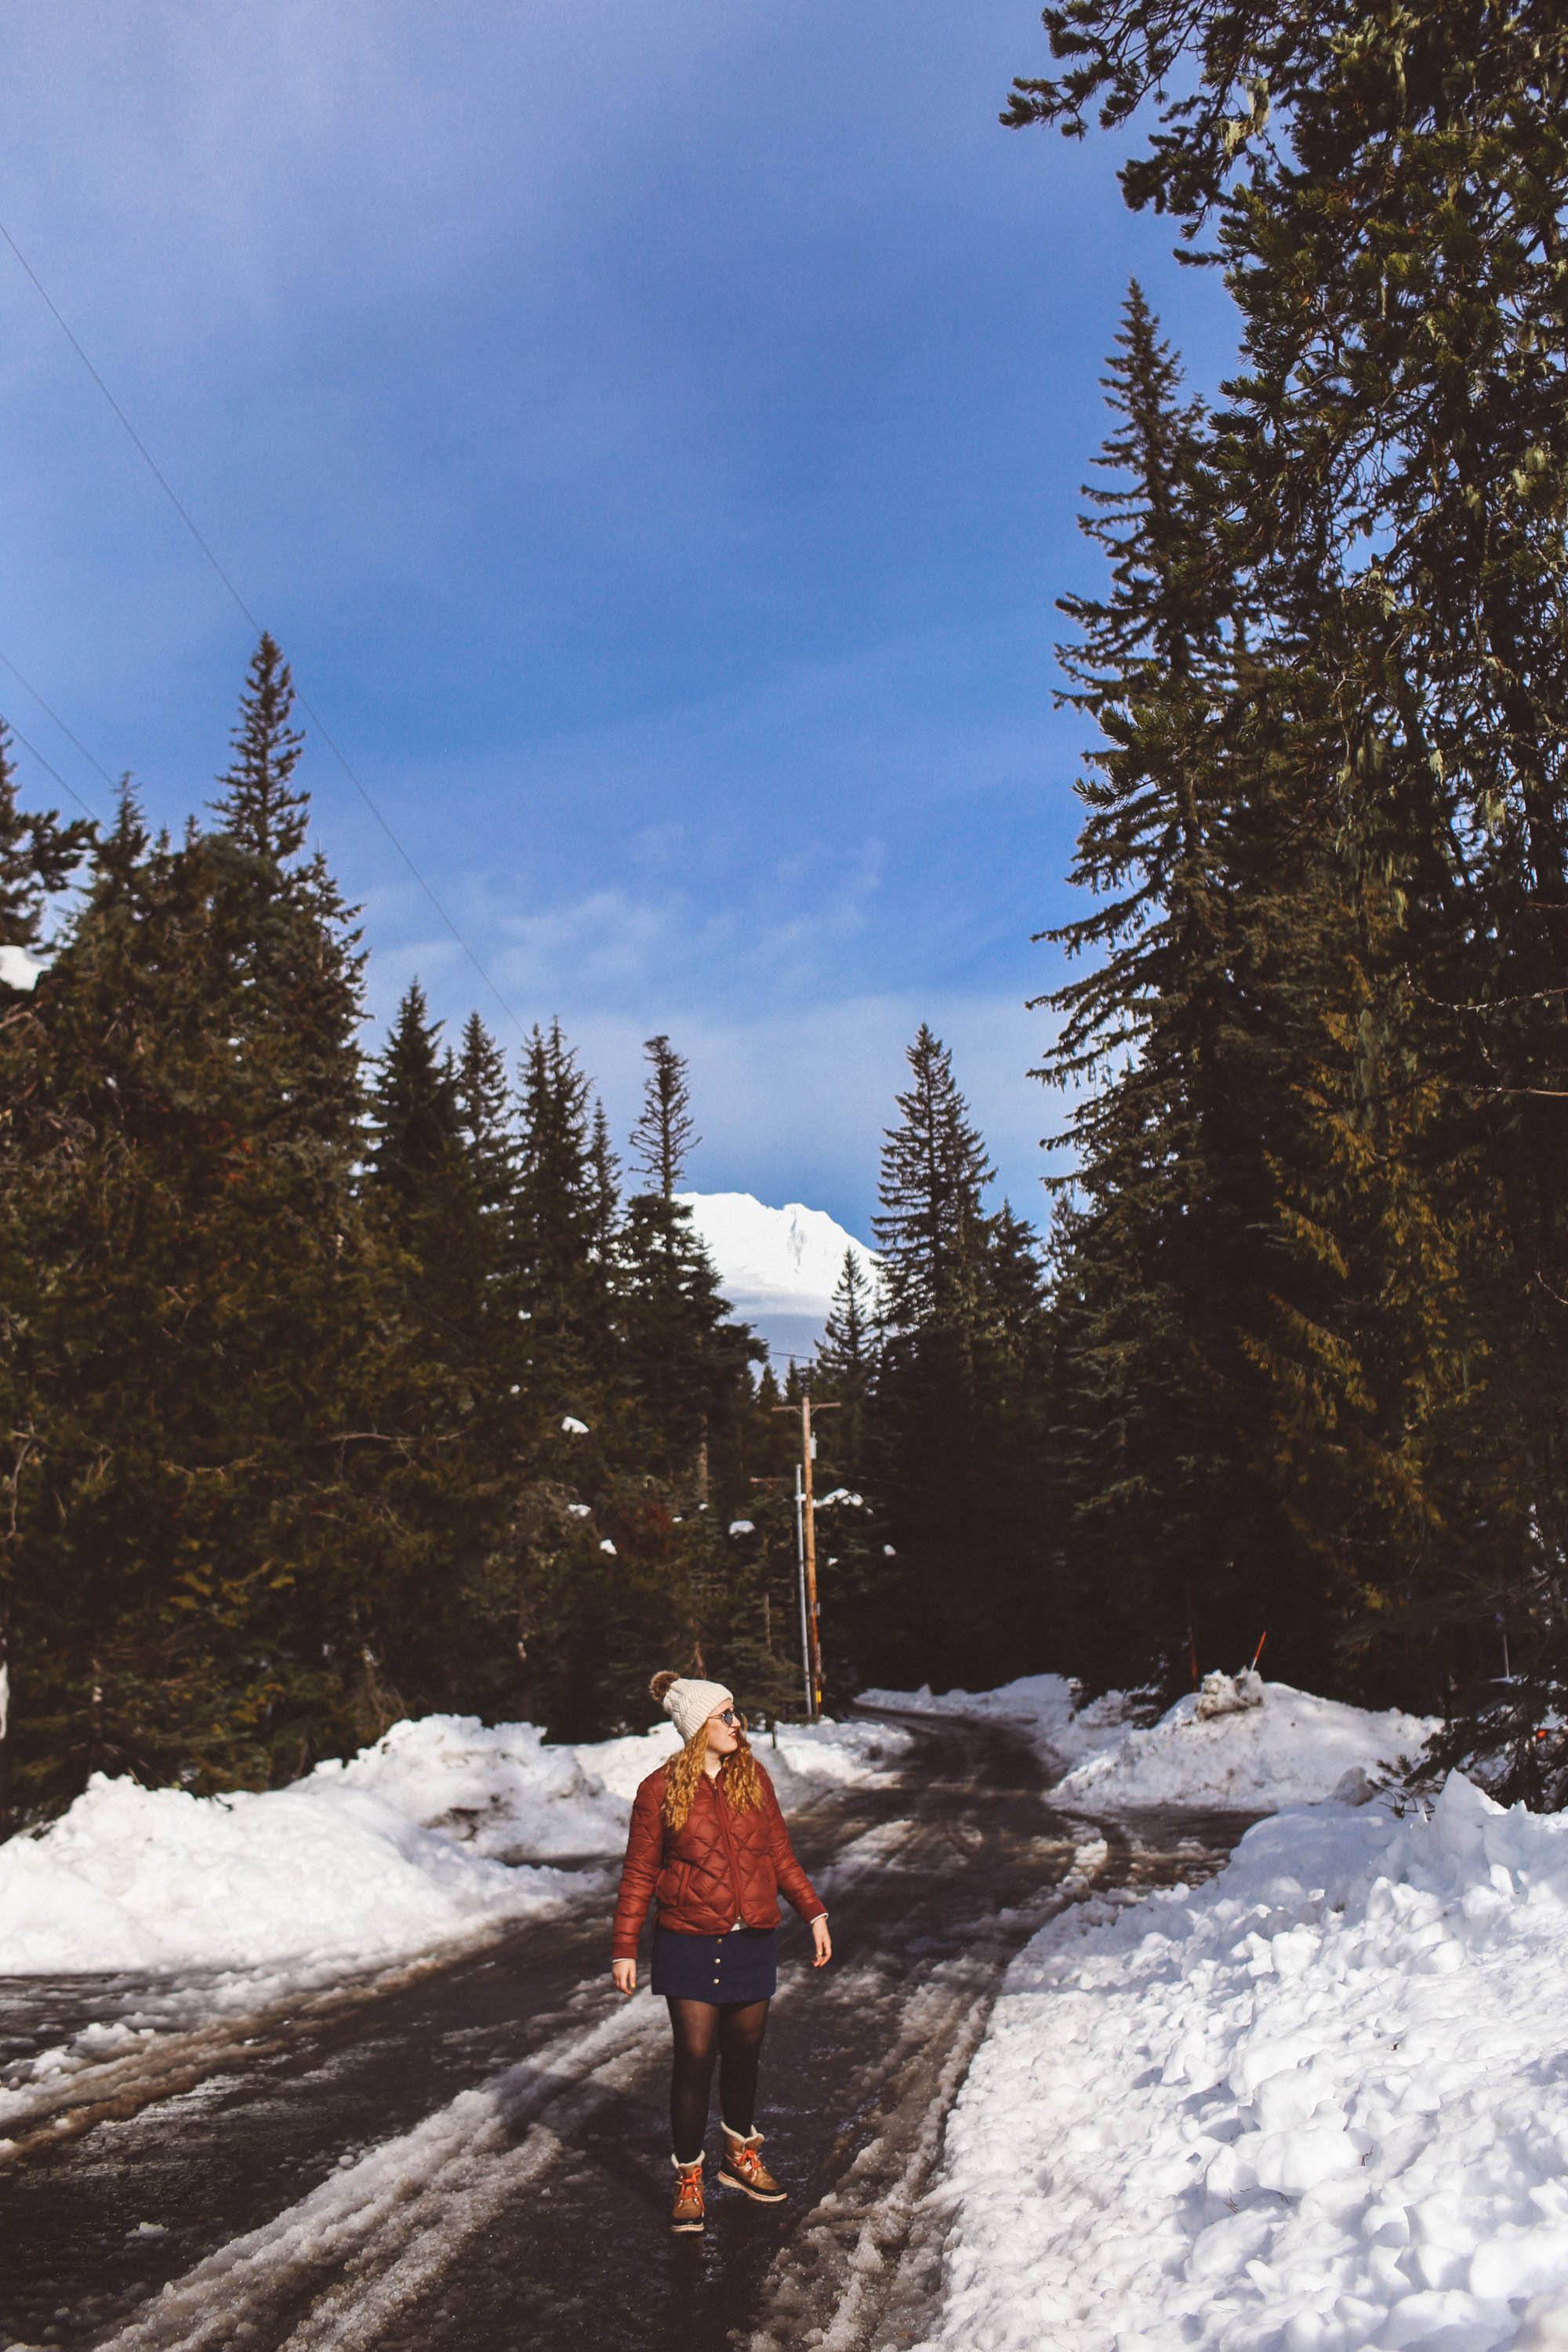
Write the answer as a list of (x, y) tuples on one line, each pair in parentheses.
[(808, 1545)]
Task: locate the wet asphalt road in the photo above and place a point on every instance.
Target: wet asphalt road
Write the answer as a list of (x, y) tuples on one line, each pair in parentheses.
[(470, 2154)]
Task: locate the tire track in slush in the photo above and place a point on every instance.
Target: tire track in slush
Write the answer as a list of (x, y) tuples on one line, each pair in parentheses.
[(365, 2251), (377, 2232), (531, 2206), (866, 2255)]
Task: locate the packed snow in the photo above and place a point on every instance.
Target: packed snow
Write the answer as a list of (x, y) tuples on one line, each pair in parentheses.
[(155, 1878), (1319, 2106), (437, 1830), (777, 1267), (1243, 1745), (18, 969)]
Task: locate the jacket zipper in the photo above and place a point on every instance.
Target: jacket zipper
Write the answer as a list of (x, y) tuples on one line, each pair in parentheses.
[(729, 1841)]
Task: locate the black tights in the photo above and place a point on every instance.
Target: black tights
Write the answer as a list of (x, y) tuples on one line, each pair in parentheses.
[(705, 2031)]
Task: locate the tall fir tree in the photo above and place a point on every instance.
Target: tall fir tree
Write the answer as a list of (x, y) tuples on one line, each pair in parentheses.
[(685, 1360), (1182, 1096), (563, 1213), (947, 1451), (665, 1135), (846, 1363), (40, 857), (1384, 194), (930, 1226), (259, 805)]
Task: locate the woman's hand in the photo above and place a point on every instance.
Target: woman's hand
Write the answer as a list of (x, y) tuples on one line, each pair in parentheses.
[(820, 1937), (624, 1973)]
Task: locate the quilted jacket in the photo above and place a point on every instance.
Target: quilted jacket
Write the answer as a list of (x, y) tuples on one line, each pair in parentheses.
[(721, 1866)]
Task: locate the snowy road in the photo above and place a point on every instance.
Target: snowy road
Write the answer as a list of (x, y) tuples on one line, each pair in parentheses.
[(472, 2152)]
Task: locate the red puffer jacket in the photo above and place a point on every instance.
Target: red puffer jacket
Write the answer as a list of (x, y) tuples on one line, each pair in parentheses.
[(721, 1866)]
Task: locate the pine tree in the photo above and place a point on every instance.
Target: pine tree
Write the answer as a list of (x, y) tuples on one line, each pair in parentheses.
[(438, 1462), (300, 951), (1386, 191), (607, 1188), (259, 804), (195, 1332), (485, 1116), (561, 1216), (685, 1360), (665, 1133), (845, 1360), (416, 1152), (1181, 1092), (39, 854), (931, 1451), (934, 1170)]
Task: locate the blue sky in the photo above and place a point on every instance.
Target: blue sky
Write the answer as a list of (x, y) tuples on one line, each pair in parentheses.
[(655, 438)]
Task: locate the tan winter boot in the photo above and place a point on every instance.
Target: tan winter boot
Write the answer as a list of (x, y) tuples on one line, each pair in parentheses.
[(744, 2169), (687, 2212)]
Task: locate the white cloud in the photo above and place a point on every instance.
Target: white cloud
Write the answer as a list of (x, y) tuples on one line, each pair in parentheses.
[(792, 1105)]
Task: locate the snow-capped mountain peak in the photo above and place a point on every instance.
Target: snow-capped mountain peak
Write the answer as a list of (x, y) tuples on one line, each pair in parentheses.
[(778, 1268)]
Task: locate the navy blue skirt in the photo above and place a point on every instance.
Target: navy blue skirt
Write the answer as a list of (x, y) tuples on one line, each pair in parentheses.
[(741, 1966)]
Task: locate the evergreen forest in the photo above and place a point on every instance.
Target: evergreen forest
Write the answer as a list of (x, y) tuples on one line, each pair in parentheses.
[(337, 1385), (340, 1386)]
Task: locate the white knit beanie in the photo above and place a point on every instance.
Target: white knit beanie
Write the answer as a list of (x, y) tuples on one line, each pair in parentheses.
[(689, 1704)]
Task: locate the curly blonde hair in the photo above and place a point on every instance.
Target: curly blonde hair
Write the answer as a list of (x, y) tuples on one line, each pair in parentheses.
[(738, 1780)]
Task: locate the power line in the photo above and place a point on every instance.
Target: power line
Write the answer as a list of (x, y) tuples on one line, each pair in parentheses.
[(28, 688), (54, 772), (316, 720)]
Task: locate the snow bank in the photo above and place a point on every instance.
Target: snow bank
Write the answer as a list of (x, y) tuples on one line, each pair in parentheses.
[(154, 1878), (1320, 2104), (497, 1788), (501, 1789), (434, 1831), (1289, 1750)]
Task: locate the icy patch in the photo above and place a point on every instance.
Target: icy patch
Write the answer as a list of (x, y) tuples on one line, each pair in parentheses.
[(1320, 2104)]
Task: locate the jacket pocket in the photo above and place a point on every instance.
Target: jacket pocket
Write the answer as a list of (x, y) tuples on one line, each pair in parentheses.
[(670, 1885)]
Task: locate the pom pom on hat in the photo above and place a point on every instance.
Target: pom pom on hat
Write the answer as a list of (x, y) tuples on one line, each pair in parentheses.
[(689, 1702)]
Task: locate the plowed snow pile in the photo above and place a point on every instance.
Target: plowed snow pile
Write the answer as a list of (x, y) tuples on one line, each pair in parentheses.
[(1288, 1748), (435, 1830), (1319, 2106)]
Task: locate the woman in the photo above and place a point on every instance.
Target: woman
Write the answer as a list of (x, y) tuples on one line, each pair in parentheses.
[(707, 1842)]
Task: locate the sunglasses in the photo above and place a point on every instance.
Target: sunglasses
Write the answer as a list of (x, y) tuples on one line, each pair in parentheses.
[(728, 1715)]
